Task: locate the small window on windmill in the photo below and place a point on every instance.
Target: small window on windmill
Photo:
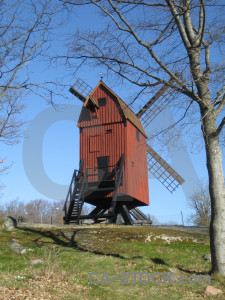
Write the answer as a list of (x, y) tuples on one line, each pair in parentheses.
[(102, 101), (108, 131), (93, 113), (137, 135)]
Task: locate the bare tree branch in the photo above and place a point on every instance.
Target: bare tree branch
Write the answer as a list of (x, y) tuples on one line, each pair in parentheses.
[(25, 31), (221, 126), (145, 42), (200, 203)]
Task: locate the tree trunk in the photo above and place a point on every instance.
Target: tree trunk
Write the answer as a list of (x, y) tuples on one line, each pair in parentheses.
[(217, 192)]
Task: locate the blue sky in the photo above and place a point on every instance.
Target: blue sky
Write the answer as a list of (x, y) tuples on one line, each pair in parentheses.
[(60, 147), (60, 151)]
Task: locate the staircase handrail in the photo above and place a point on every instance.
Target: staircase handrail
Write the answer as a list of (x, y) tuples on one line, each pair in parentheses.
[(81, 196), (117, 185), (76, 176)]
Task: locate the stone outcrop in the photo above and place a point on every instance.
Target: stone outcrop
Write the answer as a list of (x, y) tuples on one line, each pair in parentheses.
[(9, 223)]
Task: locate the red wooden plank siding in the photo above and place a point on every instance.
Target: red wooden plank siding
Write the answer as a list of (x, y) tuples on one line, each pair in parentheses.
[(136, 165), (106, 114), (106, 144), (96, 142)]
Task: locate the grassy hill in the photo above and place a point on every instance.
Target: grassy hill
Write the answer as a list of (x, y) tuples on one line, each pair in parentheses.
[(58, 261)]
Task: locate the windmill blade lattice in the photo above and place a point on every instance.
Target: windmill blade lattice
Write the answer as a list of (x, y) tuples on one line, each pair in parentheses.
[(163, 171), (81, 89), (155, 107), (156, 164)]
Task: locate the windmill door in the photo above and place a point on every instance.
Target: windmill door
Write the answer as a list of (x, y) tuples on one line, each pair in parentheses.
[(103, 165)]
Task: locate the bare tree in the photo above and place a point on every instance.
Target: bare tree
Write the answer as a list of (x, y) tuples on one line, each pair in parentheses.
[(3, 169), (2, 213), (15, 209), (36, 210), (57, 213), (154, 219), (148, 42), (201, 206), (10, 125), (25, 32)]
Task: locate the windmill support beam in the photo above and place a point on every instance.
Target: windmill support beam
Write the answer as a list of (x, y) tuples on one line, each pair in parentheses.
[(126, 215), (77, 94), (118, 181), (139, 215), (123, 216)]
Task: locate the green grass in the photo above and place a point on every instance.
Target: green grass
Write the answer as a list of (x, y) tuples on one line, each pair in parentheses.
[(70, 254)]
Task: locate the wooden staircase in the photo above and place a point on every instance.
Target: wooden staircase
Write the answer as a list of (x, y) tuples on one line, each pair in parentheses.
[(75, 205), (113, 213), (75, 198)]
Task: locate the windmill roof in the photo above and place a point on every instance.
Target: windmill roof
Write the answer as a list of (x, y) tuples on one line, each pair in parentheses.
[(128, 113), (123, 107), (91, 99)]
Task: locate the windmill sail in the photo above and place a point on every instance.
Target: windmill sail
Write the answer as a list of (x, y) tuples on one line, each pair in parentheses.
[(163, 171), (153, 99), (156, 104), (156, 164), (81, 89), (155, 107)]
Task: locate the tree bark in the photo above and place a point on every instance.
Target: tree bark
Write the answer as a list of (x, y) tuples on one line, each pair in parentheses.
[(217, 192)]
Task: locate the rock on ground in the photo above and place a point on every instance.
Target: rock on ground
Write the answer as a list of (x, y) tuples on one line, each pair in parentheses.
[(36, 261), (175, 275), (206, 257), (211, 290), (16, 247), (9, 223)]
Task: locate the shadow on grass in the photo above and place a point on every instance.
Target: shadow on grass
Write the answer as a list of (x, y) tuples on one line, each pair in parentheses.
[(63, 240), (158, 261), (193, 271)]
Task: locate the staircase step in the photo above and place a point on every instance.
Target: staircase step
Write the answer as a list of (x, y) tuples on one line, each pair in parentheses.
[(76, 202)]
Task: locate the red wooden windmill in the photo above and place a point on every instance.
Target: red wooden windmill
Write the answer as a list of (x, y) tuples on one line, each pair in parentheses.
[(114, 160)]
